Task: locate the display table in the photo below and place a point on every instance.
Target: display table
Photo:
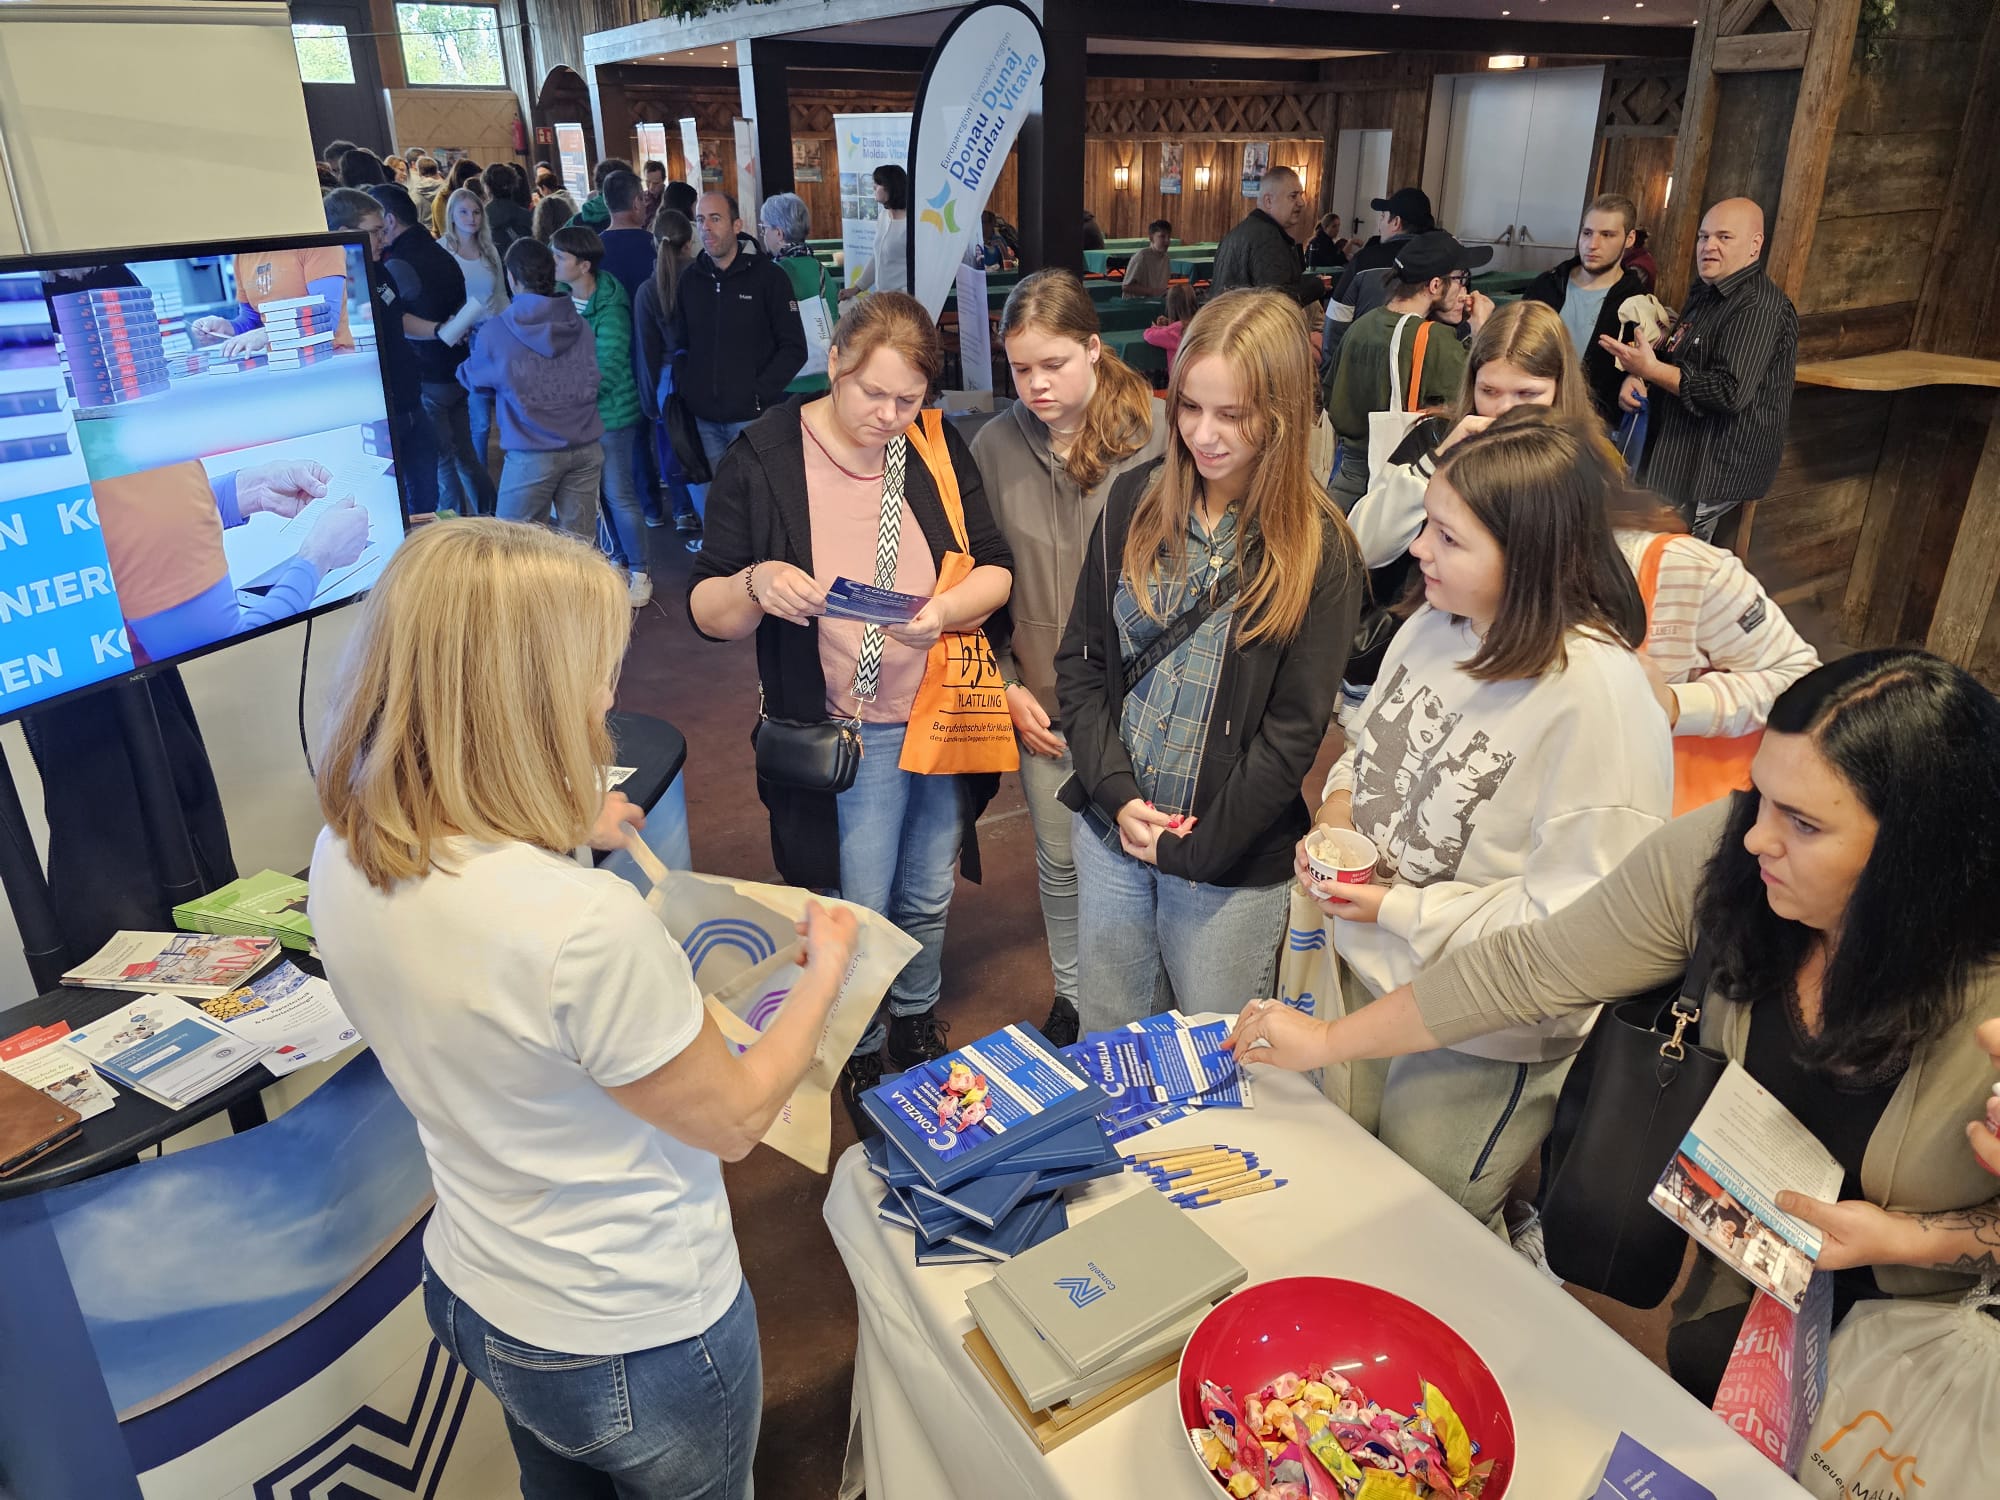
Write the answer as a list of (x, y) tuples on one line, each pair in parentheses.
[(1909, 483), (926, 1423)]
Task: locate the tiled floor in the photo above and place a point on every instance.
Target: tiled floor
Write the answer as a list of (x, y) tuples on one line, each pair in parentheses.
[(995, 972)]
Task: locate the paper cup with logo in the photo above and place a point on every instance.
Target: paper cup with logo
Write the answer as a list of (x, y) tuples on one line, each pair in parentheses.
[(1340, 856)]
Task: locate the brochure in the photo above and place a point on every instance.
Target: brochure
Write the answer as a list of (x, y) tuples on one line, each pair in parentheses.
[(165, 1049), (1743, 1149), (849, 599), (267, 904), (291, 1013), (64, 1075), (1635, 1472), (182, 963), (1162, 1061), (961, 1115)]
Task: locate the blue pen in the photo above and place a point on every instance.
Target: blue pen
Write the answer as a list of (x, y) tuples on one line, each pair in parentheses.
[(1249, 1159), (1194, 1200), (1209, 1189)]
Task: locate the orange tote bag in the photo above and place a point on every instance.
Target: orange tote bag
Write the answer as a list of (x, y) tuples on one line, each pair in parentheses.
[(959, 720)]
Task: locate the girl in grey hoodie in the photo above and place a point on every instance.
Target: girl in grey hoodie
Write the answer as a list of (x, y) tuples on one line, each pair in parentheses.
[(1080, 419)]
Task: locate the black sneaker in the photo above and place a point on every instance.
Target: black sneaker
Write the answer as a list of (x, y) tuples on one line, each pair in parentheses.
[(916, 1039), (687, 523), (1063, 1026), (862, 1073)]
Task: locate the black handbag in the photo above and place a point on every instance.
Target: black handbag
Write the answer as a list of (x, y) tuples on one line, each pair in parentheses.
[(1630, 1097), (816, 757)]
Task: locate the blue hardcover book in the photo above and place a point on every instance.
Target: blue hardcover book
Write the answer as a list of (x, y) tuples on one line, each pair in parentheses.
[(1079, 1145), (1030, 1224), (1071, 1176), (964, 1114), (984, 1200), (888, 1163), (895, 1209), (934, 1221)]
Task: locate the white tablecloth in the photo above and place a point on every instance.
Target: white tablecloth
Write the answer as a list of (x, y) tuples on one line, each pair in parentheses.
[(927, 1424)]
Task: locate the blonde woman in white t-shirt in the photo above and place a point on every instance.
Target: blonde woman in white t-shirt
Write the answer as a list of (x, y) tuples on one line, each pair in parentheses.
[(1508, 756), (572, 1094)]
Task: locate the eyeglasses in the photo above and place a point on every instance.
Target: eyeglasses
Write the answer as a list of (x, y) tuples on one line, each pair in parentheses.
[(1460, 278)]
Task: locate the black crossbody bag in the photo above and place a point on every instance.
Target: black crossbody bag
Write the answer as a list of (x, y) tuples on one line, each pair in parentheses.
[(1630, 1097), (1133, 671)]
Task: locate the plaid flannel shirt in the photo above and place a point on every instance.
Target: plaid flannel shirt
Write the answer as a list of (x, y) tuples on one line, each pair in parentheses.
[(1165, 720)]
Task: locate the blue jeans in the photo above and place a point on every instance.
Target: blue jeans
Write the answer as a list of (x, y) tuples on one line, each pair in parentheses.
[(1055, 867), (1139, 931), (480, 416), (624, 511), (463, 483), (532, 482), (715, 440), (899, 856), (678, 1422)]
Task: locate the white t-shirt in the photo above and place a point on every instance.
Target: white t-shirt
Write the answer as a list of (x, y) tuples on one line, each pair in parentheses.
[(503, 998), (1496, 803), (891, 261), (480, 284)]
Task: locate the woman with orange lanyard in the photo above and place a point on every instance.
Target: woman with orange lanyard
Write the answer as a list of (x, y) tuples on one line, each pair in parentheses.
[(806, 496), (264, 277)]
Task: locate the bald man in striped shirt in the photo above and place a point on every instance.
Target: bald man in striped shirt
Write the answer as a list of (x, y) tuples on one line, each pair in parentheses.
[(1722, 380)]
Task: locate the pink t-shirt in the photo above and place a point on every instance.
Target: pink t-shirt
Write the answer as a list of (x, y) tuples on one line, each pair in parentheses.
[(846, 516)]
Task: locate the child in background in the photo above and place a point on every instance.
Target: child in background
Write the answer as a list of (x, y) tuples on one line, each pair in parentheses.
[(1166, 331), (605, 305), (540, 361)]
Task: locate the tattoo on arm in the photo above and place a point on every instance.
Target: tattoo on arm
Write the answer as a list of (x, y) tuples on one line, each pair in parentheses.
[(1975, 1234)]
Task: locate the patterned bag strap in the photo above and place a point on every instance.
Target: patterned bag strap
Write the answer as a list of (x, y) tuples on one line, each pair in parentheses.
[(888, 538)]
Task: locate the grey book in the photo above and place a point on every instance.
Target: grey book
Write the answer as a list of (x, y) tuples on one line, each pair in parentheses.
[(1104, 1286), (1042, 1376)]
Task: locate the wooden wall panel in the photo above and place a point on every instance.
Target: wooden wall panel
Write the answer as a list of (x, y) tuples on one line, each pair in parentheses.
[(1959, 312), (1807, 526), (1746, 158), (1197, 216), (1638, 166), (1869, 262), (1876, 174)]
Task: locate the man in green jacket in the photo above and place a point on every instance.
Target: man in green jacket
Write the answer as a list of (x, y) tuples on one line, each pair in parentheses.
[(606, 306), (1428, 281)]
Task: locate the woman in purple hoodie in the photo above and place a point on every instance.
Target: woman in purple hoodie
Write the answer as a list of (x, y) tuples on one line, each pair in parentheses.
[(539, 360)]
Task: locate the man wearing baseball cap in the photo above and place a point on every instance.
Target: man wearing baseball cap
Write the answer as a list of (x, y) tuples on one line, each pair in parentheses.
[(1404, 213), (1427, 278)]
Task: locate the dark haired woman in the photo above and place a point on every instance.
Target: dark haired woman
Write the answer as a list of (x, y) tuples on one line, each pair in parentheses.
[(1849, 901), (888, 269), (1507, 757), (1224, 578), (508, 214)]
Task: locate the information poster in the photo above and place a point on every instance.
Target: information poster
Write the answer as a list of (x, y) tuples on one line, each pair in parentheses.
[(573, 160), (690, 152), (865, 142), (1170, 169), (805, 161), (749, 178), (652, 145), (975, 330), (1256, 162)]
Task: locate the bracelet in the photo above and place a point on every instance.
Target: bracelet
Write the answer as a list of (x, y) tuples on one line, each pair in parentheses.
[(1011, 682), (750, 581)]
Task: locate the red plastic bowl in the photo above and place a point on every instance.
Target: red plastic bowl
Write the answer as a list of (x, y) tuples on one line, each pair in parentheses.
[(1378, 1340)]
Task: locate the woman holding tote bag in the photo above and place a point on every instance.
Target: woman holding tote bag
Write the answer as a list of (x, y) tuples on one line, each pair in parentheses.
[(862, 484)]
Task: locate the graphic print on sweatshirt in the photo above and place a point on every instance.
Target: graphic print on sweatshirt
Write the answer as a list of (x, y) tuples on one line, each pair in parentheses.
[(1423, 775)]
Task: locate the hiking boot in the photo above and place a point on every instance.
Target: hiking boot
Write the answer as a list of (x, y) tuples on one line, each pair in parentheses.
[(862, 1073), (916, 1039), (1063, 1026)]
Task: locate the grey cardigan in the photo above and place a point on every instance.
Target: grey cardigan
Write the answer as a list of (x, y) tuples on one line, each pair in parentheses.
[(1633, 932)]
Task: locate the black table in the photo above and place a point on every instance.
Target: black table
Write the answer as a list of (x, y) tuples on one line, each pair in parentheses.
[(136, 1124)]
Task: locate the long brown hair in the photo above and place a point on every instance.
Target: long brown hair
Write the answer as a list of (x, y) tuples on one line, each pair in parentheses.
[(1537, 482), (1531, 337), (1286, 507), (1119, 419), (673, 233)]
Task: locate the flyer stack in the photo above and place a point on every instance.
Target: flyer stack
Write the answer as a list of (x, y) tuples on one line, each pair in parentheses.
[(977, 1147), (267, 904), (111, 345), (1159, 1070), (301, 330)]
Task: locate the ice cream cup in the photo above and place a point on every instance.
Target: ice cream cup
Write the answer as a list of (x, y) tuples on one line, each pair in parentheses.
[(1340, 856)]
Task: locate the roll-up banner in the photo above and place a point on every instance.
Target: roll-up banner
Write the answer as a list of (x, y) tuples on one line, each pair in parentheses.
[(984, 78)]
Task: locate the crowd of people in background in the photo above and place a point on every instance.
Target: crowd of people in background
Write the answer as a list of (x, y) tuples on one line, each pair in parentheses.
[(1575, 727)]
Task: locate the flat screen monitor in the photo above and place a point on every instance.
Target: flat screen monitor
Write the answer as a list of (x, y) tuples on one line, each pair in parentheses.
[(194, 449)]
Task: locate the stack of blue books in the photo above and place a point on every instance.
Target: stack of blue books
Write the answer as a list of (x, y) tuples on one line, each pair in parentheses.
[(1159, 1070), (977, 1147)]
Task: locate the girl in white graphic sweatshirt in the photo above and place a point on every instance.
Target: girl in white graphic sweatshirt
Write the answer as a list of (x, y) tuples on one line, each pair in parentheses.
[(1509, 754)]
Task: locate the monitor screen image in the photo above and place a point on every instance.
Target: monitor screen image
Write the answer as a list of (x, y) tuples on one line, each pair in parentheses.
[(194, 448)]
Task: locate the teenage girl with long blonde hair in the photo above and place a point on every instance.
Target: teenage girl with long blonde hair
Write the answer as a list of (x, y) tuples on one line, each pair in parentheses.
[(1224, 582), (1080, 420)]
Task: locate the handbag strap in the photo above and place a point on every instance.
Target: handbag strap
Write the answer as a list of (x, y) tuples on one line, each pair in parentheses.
[(888, 540), (1395, 362), (1423, 340), (1686, 1007), (1183, 627)]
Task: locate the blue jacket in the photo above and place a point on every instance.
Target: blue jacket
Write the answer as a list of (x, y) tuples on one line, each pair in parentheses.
[(540, 361)]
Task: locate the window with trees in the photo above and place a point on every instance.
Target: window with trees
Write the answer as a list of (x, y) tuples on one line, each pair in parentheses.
[(451, 46)]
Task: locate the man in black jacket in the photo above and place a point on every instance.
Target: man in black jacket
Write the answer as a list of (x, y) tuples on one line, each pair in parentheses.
[(1263, 250), (1401, 216), (1588, 289), (741, 338), (432, 289)]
